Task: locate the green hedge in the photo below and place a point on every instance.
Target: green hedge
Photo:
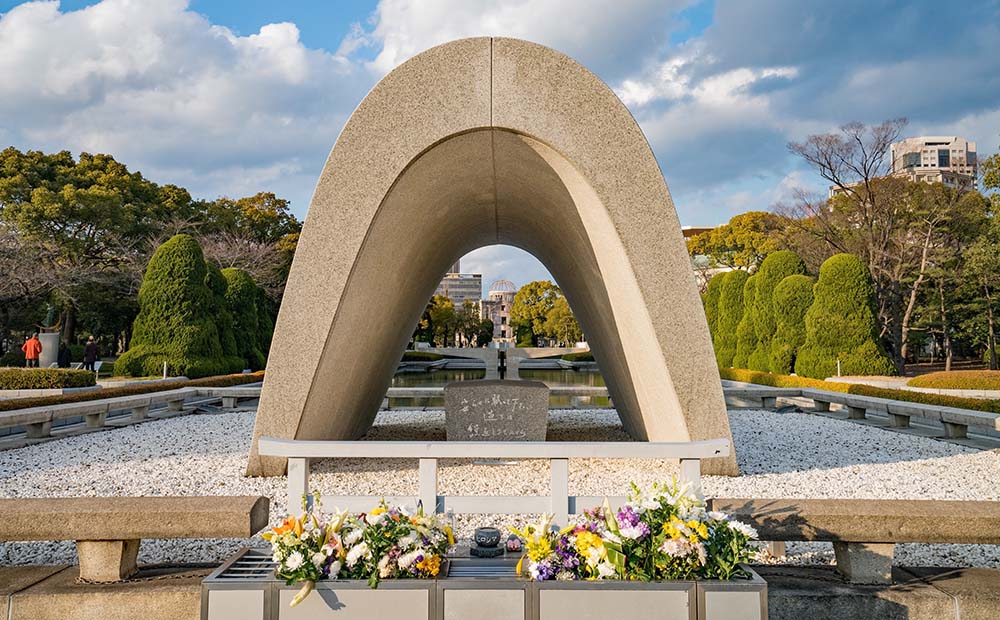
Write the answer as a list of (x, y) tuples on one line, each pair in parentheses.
[(785, 381), (13, 358), (729, 315), (130, 390), (582, 356), (790, 300), (242, 298), (841, 325), (746, 331), (421, 356), (775, 268), (959, 380), (44, 378)]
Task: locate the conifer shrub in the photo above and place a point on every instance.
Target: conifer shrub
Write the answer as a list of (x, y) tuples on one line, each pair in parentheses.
[(218, 284), (841, 325), (176, 321), (746, 331), (729, 314), (790, 301), (775, 268), (710, 299), (243, 298)]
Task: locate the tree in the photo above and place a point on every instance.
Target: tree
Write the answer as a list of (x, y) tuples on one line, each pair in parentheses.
[(730, 313), (710, 299), (841, 324), (746, 331), (442, 318), (243, 299), (531, 306), (485, 334), (263, 218), (791, 299), (775, 268), (743, 243), (982, 260), (561, 325), (175, 322)]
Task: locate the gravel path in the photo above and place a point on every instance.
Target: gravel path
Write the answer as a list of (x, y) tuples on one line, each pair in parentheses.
[(791, 455)]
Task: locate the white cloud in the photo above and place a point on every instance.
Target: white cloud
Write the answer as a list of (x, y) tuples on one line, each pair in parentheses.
[(612, 39), (171, 94)]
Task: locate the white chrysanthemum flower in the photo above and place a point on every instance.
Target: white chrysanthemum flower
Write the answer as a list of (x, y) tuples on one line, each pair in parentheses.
[(294, 561), (407, 541), (631, 532), (319, 559), (356, 553), (353, 536), (676, 547), (743, 528), (717, 516), (335, 568), (384, 567), (407, 559), (606, 570)]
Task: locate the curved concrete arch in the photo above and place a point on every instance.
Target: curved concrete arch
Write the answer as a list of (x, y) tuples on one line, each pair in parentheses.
[(477, 142)]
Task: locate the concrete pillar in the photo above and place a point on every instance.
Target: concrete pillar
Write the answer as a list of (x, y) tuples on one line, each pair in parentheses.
[(50, 349), (107, 560), (229, 402), (955, 431), (855, 413), (821, 405), (777, 549), (869, 563), (175, 405), (96, 420), (38, 430), (768, 402), (899, 421), (140, 413)]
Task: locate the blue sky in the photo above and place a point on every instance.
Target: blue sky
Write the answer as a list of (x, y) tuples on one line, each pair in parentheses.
[(230, 97)]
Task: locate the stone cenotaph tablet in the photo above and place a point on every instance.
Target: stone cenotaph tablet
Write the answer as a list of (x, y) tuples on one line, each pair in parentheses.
[(494, 410)]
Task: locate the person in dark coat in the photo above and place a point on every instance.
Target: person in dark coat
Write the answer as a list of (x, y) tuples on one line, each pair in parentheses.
[(89, 354), (63, 358)]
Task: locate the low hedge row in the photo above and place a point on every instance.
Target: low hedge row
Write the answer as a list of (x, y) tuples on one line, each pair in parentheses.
[(959, 380), (582, 356), (44, 378), (787, 381), (131, 390)]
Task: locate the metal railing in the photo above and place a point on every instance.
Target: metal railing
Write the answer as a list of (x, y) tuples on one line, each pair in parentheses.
[(559, 502)]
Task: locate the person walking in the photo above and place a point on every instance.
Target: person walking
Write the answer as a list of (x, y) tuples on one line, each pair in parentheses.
[(89, 354), (32, 348), (64, 356)]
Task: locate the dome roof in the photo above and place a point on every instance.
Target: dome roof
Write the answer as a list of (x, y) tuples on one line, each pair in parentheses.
[(503, 286)]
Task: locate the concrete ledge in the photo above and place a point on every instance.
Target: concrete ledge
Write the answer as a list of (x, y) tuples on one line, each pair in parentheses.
[(13, 579), (153, 594)]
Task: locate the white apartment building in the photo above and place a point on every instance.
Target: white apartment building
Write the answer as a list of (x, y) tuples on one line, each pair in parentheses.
[(936, 159)]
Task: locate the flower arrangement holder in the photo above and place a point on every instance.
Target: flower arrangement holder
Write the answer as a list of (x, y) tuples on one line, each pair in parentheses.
[(244, 588)]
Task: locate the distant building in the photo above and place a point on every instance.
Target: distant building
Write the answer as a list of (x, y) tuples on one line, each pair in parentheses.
[(496, 308), (936, 159), (461, 287)]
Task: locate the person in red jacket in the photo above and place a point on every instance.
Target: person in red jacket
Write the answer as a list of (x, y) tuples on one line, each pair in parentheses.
[(32, 348)]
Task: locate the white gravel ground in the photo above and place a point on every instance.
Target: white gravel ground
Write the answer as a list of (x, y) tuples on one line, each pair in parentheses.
[(791, 455)]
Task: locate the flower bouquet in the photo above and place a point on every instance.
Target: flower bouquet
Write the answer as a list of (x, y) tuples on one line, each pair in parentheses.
[(385, 543), (661, 533)]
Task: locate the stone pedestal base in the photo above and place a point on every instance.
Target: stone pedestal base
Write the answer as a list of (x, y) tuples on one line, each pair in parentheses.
[(865, 562), (107, 561)]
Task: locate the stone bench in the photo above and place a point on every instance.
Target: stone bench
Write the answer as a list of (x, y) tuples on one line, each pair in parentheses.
[(108, 530), (864, 532), (230, 395), (768, 396), (956, 422)]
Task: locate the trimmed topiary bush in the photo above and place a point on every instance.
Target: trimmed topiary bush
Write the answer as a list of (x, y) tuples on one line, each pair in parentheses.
[(775, 268), (790, 301), (729, 314), (265, 320), (242, 298), (44, 378), (840, 324), (710, 299), (746, 332), (176, 322), (217, 284)]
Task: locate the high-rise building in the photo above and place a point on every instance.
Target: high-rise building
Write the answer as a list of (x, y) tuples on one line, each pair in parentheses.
[(461, 287), (496, 308), (936, 159)]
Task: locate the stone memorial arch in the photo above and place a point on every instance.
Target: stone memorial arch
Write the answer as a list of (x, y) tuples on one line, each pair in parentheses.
[(477, 142)]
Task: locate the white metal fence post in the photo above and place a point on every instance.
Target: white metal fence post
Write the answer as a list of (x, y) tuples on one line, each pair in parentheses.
[(428, 485), (559, 490), (691, 473), (298, 483)]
